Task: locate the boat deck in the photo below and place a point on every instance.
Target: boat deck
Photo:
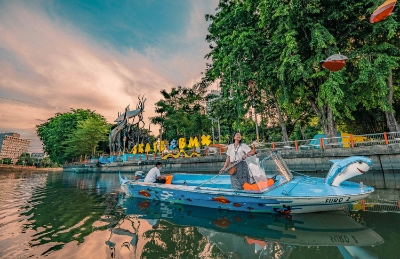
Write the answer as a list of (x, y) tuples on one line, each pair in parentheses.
[(299, 186)]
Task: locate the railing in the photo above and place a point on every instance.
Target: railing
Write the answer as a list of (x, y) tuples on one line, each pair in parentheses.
[(345, 141), (376, 205)]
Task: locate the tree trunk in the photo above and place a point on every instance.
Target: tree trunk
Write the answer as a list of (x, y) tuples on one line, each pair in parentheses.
[(303, 135), (331, 124), (327, 121), (391, 122), (285, 137), (390, 117)]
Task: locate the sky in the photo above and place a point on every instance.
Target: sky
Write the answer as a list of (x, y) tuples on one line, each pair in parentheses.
[(95, 54)]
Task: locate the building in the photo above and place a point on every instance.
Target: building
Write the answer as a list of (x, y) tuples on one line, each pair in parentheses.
[(12, 146)]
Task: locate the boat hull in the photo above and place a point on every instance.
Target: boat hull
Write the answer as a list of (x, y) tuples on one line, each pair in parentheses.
[(324, 198)]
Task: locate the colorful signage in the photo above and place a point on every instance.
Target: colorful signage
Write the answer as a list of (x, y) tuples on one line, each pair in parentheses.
[(182, 144)]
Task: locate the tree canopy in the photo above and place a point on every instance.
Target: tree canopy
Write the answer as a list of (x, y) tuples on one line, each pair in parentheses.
[(86, 137), (181, 112), (278, 45), (68, 135)]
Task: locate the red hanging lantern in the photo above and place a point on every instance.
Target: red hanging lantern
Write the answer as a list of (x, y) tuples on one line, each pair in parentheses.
[(383, 11), (335, 62)]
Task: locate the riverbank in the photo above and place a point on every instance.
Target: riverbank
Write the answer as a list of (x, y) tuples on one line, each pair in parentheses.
[(16, 168)]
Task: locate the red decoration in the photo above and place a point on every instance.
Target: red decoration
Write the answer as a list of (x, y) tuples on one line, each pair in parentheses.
[(383, 11), (335, 62), (222, 222), (221, 199), (144, 193)]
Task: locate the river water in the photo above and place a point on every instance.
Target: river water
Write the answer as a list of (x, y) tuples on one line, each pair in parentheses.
[(84, 215)]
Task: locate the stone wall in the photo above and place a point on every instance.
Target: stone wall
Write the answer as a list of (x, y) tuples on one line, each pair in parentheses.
[(385, 172)]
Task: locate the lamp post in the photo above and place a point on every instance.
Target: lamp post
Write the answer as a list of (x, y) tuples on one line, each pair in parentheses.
[(212, 130), (219, 132), (161, 136), (251, 84)]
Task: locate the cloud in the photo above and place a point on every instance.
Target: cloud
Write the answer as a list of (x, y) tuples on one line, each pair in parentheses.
[(48, 65), (58, 67)]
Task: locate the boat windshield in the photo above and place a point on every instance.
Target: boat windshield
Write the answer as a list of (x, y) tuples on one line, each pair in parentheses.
[(262, 171)]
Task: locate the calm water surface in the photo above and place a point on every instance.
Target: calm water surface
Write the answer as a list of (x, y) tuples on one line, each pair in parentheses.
[(84, 215)]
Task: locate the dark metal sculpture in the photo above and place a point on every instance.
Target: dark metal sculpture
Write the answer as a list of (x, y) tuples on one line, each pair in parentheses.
[(126, 134)]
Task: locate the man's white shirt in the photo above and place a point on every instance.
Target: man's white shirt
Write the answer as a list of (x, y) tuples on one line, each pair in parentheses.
[(152, 175)]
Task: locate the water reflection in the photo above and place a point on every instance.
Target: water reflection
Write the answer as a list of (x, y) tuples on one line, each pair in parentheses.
[(243, 235), (69, 215), (102, 182)]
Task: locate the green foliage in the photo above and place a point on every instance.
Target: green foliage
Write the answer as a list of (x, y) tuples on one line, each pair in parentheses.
[(279, 45), (181, 242), (182, 112), (306, 132), (46, 163), (64, 215), (227, 112), (58, 130), (242, 51), (6, 161), (25, 159), (84, 140)]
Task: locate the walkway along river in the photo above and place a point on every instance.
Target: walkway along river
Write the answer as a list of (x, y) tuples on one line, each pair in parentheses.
[(385, 172)]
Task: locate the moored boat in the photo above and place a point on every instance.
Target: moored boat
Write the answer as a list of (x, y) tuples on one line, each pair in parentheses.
[(273, 188)]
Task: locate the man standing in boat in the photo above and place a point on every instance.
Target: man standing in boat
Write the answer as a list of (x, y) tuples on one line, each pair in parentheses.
[(153, 176), (239, 171)]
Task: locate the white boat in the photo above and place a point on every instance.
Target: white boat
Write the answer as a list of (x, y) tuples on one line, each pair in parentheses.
[(273, 188)]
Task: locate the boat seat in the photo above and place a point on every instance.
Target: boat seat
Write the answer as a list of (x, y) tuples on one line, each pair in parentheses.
[(261, 185), (168, 179)]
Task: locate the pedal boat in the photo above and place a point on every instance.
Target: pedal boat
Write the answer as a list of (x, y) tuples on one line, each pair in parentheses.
[(274, 189)]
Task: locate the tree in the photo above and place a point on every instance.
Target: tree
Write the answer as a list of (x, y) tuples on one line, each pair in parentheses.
[(25, 159), (311, 31), (378, 66), (242, 52), (226, 111), (279, 44), (55, 131), (7, 161), (182, 112), (46, 162), (85, 139)]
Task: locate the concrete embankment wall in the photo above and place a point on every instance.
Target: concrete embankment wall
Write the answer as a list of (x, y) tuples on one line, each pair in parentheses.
[(385, 172)]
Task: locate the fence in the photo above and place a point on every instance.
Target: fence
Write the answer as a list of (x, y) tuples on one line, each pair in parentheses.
[(343, 141), (376, 205)]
